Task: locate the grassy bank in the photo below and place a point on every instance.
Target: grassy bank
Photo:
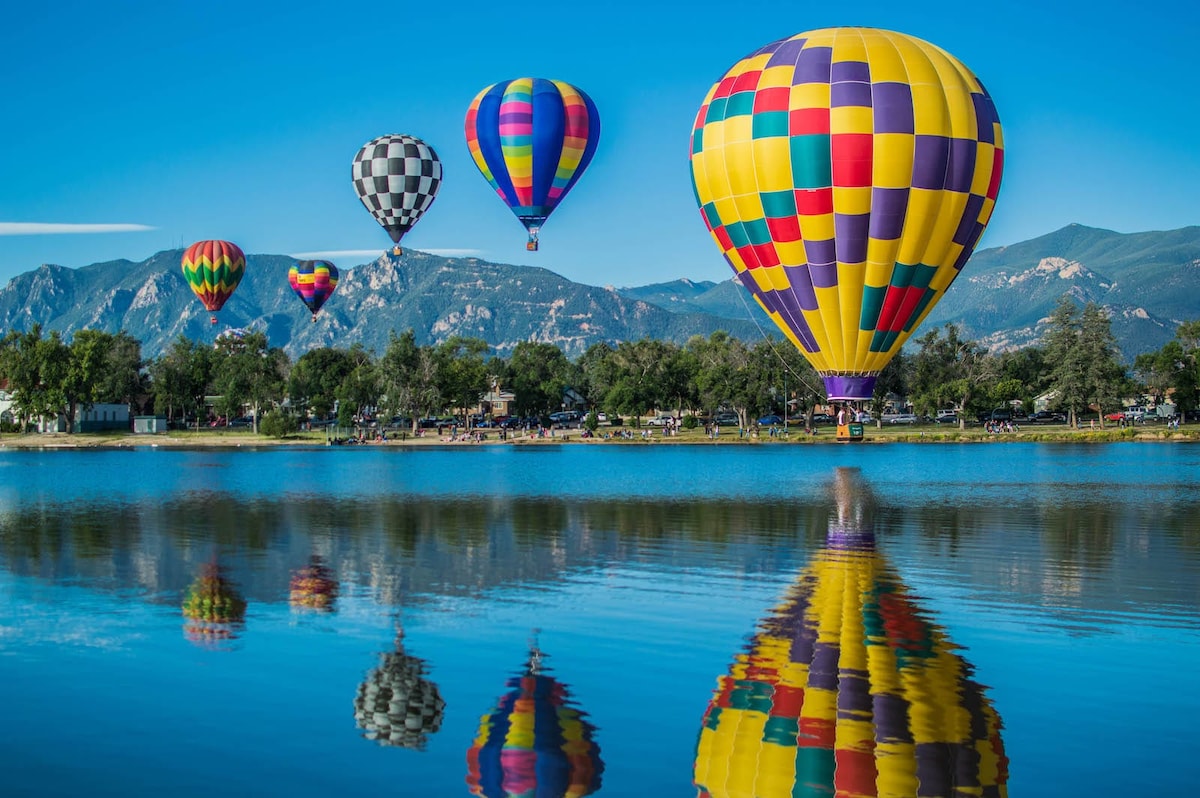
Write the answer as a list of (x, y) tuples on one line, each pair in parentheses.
[(825, 435)]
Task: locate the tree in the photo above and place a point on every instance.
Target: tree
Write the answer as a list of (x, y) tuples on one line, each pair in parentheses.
[(537, 375), (1067, 369), (248, 372), (179, 378), (462, 373), (358, 395), (641, 369), (1104, 376), (950, 371), (597, 371), (408, 378), (315, 378), (32, 379), (721, 376)]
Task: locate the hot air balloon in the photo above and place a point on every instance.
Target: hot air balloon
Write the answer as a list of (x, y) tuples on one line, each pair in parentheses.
[(532, 139), (849, 689), (313, 587), (397, 705), (213, 609), (213, 269), (534, 742), (846, 175), (397, 178), (314, 281)]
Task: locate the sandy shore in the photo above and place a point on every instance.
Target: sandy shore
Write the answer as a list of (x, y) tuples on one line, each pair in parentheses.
[(247, 439)]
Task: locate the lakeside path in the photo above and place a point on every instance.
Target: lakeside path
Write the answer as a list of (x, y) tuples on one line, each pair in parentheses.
[(247, 439)]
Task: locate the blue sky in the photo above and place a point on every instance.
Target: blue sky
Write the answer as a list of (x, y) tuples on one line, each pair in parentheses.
[(239, 121)]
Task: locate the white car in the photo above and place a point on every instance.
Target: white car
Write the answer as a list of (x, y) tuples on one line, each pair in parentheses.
[(660, 420), (902, 418)]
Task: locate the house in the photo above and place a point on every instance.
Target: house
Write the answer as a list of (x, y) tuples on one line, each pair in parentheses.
[(99, 417), (6, 402), (495, 402)]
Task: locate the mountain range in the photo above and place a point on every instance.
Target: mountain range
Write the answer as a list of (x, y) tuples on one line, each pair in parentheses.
[(1147, 281)]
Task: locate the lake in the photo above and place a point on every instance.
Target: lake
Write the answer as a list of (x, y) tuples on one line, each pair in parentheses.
[(613, 620)]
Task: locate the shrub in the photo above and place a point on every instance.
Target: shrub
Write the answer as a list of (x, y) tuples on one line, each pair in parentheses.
[(278, 424), (591, 422), (689, 422)]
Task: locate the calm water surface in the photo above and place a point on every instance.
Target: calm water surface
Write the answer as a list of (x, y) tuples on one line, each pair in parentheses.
[(607, 620)]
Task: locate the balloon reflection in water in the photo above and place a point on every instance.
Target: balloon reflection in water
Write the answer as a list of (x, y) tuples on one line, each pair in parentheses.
[(847, 689), (397, 705), (213, 608), (313, 587), (534, 742)]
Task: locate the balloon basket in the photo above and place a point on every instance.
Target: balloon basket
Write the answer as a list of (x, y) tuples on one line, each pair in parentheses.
[(532, 245), (212, 320), (849, 433), (397, 251)]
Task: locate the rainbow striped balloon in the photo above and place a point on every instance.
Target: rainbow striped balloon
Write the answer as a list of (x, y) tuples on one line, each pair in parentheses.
[(213, 269), (314, 282), (532, 139)]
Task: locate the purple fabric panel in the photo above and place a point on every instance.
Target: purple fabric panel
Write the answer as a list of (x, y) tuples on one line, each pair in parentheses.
[(824, 670), (970, 218), (842, 95), (933, 769), (854, 694), (820, 252), (786, 54), (887, 213), (930, 156), (788, 304), (802, 286), (825, 275), (841, 388), (515, 116), (850, 71), (851, 233), (769, 48), (855, 539), (985, 114), (962, 165), (891, 719), (893, 108), (812, 66)]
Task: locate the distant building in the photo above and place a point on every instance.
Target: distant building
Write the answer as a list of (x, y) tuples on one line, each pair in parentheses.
[(97, 418), (144, 425)]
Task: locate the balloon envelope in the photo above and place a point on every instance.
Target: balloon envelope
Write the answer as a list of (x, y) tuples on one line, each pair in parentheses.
[(397, 177), (314, 281), (849, 689), (846, 175), (534, 743), (213, 270), (532, 139)]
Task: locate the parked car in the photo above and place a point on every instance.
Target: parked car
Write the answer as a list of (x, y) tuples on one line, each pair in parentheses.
[(1048, 417), (822, 418), (770, 421), (661, 420), (946, 419), (901, 418), (727, 419)]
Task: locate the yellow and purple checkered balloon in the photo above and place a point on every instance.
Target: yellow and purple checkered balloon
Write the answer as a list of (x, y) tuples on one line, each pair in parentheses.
[(847, 175)]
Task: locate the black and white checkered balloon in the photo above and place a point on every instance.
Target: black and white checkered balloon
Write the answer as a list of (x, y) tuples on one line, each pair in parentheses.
[(397, 178)]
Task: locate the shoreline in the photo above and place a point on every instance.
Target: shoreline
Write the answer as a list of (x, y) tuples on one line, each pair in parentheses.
[(874, 436)]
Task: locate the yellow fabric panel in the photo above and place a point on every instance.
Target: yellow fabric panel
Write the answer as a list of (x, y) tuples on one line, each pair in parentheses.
[(738, 129), (923, 207), (896, 770), (887, 64), (726, 206), (829, 303), (749, 205), (818, 227), (985, 157), (809, 95), (917, 66), (931, 117), (879, 265), (822, 37), (848, 45), (791, 253), (776, 77), (718, 180), (852, 200), (940, 238), (851, 119), (773, 163), (813, 318), (893, 160), (739, 165), (850, 294), (772, 278), (735, 257)]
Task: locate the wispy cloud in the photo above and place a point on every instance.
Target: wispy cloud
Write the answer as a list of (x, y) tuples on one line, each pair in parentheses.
[(333, 254), (54, 228)]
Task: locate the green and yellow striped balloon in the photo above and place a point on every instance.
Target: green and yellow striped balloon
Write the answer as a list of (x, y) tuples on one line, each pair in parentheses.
[(213, 269)]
